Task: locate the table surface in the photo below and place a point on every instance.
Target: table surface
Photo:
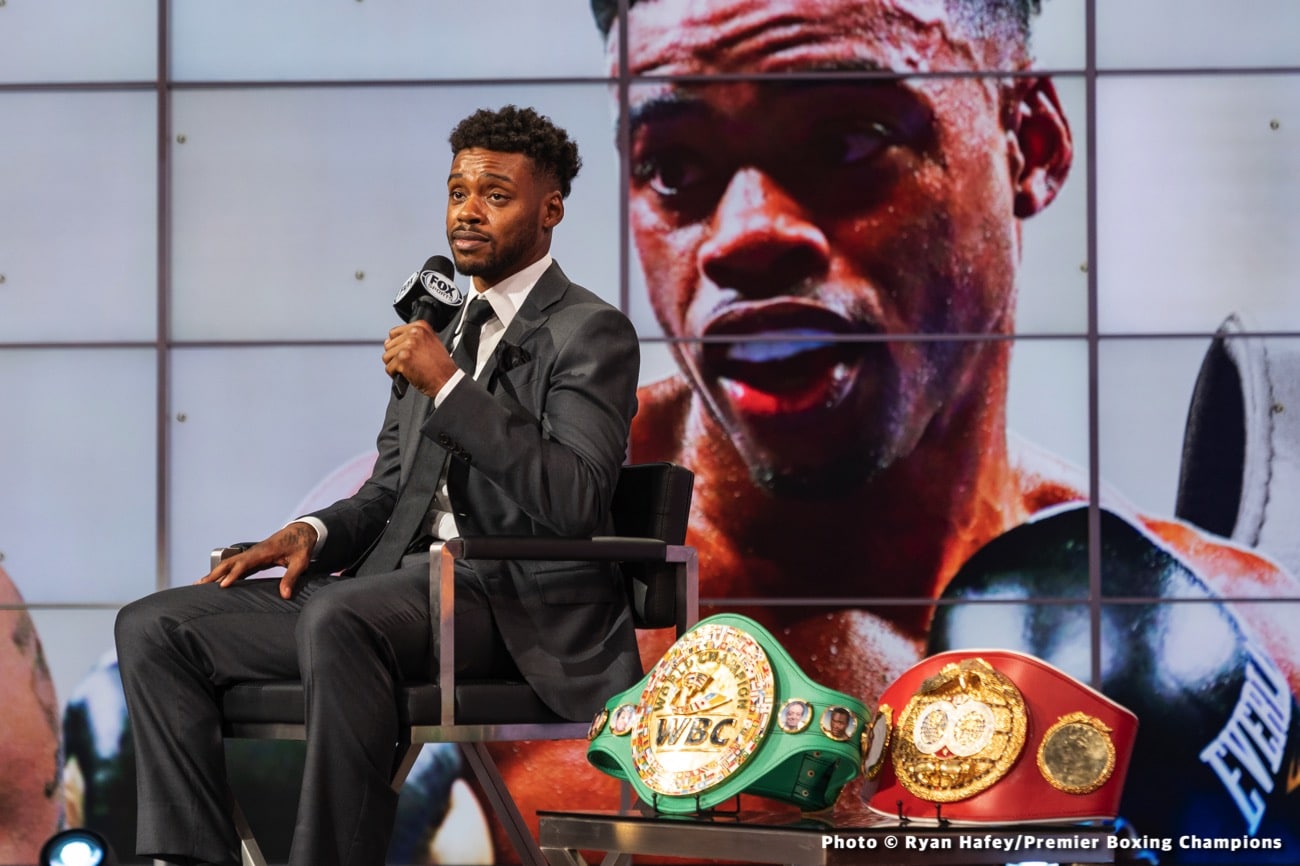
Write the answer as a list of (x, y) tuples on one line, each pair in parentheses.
[(851, 835)]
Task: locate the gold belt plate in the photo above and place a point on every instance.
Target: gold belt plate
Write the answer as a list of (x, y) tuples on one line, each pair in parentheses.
[(960, 733), (704, 712)]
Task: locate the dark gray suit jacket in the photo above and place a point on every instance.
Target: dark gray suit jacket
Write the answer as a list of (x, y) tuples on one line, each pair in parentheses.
[(543, 431)]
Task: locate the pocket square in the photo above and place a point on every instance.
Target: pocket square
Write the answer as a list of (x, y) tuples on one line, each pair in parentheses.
[(510, 356)]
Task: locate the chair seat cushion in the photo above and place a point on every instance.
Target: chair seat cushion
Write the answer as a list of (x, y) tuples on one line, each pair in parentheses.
[(477, 702)]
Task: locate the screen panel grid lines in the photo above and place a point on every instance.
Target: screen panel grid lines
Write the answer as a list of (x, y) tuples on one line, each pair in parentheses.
[(977, 321)]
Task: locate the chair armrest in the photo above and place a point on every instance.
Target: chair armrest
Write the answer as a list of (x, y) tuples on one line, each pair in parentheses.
[(220, 553), (598, 549)]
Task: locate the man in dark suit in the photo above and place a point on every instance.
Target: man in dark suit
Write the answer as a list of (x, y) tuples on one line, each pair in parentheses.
[(521, 435)]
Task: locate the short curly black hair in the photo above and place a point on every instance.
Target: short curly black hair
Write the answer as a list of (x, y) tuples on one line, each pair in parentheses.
[(511, 129)]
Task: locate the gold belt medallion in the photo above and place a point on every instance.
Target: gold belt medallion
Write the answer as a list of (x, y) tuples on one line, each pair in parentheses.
[(704, 711), (960, 733), (1077, 754)]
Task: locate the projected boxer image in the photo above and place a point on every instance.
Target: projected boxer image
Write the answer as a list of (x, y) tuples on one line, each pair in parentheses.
[(836, 262), (31, 798)]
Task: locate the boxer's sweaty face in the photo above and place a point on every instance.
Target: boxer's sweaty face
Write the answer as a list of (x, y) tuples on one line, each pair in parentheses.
[(785, 221)]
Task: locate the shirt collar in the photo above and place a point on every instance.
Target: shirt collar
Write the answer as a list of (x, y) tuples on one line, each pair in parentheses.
[(507, 296)]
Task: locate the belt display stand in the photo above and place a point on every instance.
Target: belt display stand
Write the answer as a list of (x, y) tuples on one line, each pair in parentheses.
[(845, 836)]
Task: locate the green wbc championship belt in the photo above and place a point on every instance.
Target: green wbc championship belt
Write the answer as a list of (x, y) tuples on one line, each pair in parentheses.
[(727, 711)]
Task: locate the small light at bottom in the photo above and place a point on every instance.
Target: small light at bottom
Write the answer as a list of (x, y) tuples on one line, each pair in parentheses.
[(76, 848)]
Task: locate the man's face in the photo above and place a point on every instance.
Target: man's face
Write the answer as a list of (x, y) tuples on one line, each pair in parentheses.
[(818, 213), (499, 213)]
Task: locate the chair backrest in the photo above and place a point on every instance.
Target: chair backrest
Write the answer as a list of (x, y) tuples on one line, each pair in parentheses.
[(653, 500)]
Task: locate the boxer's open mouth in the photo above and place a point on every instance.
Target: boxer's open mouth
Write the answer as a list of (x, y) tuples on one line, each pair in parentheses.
[(793, 358)]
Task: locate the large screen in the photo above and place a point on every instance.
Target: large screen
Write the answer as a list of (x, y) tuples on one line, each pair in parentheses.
[(930, 293)]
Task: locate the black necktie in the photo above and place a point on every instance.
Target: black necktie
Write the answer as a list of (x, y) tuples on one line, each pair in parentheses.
[(410, 515), (477, 315), (466, 356)]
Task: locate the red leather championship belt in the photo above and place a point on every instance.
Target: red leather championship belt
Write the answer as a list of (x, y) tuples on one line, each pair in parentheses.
[(993, 736)]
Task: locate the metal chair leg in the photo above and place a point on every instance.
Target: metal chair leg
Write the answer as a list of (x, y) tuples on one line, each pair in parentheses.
[(250, 854), (503, 804)]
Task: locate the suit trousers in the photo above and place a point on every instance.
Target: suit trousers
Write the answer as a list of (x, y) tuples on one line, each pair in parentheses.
[(351, 640)]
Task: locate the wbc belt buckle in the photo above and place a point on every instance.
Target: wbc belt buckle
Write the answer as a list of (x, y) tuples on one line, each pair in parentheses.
[(704, 711)]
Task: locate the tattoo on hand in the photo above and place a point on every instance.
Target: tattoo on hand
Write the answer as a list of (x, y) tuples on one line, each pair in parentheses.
[(303, 535)]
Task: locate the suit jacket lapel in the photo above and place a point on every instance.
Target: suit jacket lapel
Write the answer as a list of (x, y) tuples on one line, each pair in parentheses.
[(411, 424), (532, 315)]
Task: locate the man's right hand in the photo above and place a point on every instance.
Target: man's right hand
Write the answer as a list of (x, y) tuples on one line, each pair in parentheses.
[(290, 548)]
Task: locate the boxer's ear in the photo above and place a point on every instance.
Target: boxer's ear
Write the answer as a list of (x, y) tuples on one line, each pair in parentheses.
[(1040, 146), (552, 210)]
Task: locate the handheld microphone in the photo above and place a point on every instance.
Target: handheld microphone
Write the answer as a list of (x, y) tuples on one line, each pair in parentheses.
[(428, 295)]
